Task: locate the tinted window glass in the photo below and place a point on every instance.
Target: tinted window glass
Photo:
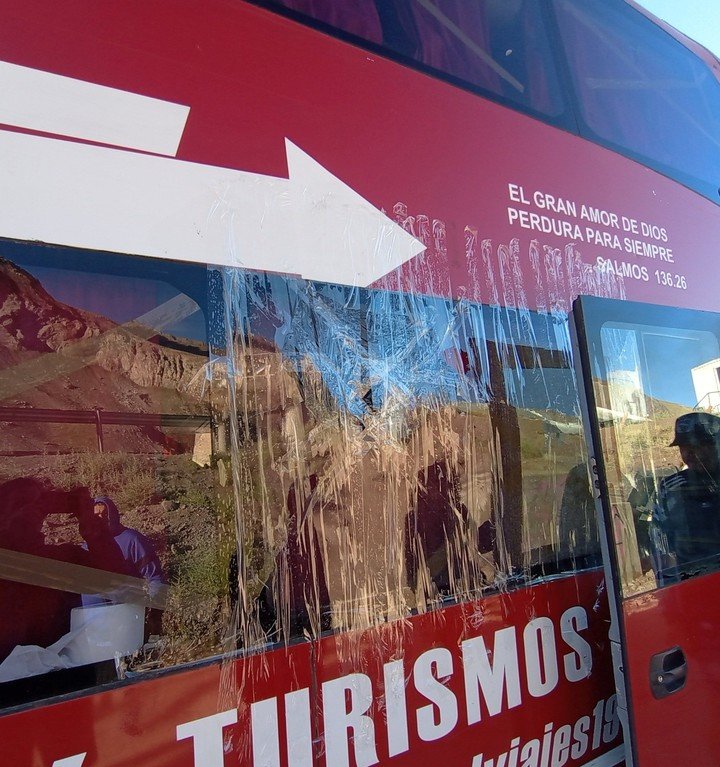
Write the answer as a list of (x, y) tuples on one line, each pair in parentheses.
[(114, 534), (641, 92), (499, 46), (196, 461), (656, 386)]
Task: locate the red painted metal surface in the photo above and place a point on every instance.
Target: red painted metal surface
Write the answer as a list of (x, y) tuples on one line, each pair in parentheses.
[(680, 727), (409, 144), (412, 146)]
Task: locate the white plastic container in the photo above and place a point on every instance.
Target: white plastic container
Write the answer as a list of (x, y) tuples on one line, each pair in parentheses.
[(100, 631)]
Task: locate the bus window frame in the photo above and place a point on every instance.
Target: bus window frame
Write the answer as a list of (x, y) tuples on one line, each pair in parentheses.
[(565, 119), (569, 119), (584, 130)]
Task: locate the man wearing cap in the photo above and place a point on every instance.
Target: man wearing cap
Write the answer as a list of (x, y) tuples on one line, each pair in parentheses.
[(685, 528)]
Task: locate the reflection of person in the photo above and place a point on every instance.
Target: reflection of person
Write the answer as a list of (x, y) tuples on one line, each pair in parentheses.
[(36, 597), (431, 527), (136, 548), (436, 531), (686, 520), (299, 589), (641, 499), (578, 524), (138, 552), (579, 534)]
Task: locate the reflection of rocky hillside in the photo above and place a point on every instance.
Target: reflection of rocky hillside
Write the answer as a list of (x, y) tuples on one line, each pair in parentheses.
[(62, 358), (149, 363), (32, 320), (55, 355), (642, 442)]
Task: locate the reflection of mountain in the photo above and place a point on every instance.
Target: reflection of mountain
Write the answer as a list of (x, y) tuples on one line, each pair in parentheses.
[(149, 359), (31, 319), (59, 357), (641, 440), (653, 407)]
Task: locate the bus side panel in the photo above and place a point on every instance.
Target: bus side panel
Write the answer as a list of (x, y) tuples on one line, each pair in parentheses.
[(653, 623), (509, 213), (521, 673)]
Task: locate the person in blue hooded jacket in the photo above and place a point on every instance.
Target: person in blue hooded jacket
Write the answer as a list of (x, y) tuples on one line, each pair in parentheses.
[(138, 552), (35, 605)]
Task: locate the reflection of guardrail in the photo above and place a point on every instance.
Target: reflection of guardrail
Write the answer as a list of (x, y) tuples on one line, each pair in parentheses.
[(713, 401), (99, 418)]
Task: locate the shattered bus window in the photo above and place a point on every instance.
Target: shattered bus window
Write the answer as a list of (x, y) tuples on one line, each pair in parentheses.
[(392, 452)]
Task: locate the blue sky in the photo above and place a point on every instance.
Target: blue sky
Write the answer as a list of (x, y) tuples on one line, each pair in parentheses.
[(699, 19)]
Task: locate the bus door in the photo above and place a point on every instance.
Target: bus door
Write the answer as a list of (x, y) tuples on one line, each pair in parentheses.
[(650, 384)]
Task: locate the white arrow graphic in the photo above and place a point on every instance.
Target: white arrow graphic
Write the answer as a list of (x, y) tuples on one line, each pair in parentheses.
[(70, 761), (99, 198)]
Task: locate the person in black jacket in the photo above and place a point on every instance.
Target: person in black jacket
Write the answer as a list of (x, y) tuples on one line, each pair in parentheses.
[(685, 528)]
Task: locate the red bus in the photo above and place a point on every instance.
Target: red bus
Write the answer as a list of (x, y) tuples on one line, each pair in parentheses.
[(302, 446)]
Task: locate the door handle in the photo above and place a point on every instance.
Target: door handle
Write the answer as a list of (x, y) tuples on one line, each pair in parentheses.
[(668, 672)]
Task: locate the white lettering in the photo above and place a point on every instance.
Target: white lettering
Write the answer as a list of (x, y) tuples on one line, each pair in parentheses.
[(557, 745), (516, 193), (578, 664), (207, 737), (622, 269), (546, 224), (492, 678), (265, 735), (555, 204), (561, 746), (265, 730), (70, 761), (612, 720), (438, 660), (396, 708), (530, 753), (339, 721), (656, 232), (648, 250), (514, 746), (599, 216), (298, 728), (580, 736), (540, 657), (629, 224), (547, 737)]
